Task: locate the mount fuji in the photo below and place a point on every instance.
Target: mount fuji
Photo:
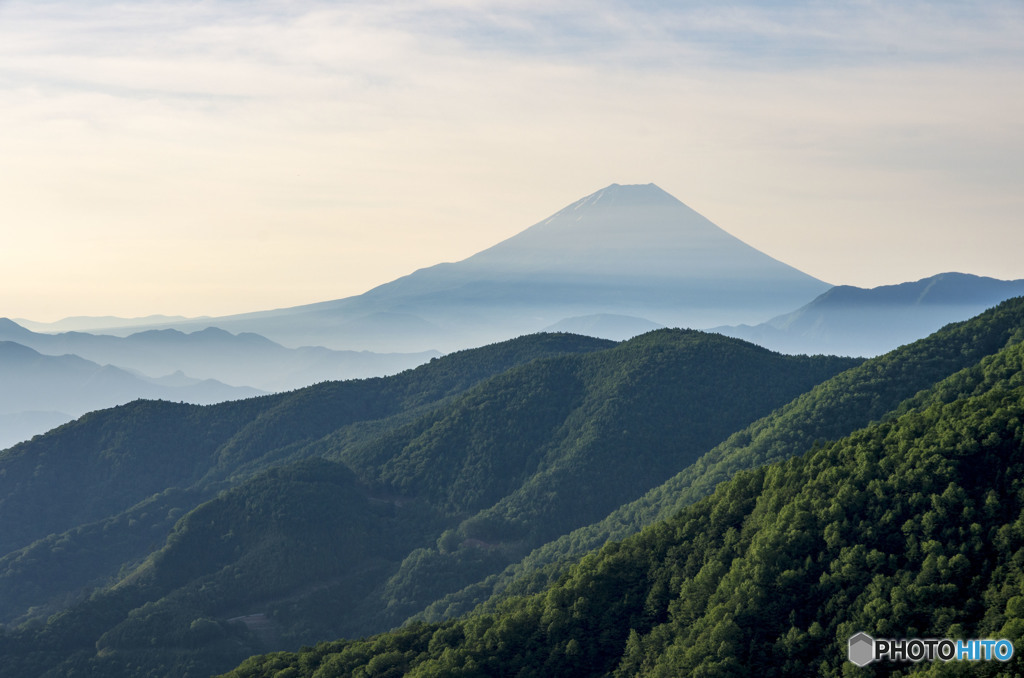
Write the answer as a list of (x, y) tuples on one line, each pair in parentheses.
[(626, 250)]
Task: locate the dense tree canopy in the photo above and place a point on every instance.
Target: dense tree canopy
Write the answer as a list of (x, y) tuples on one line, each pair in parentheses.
[(913, 527)]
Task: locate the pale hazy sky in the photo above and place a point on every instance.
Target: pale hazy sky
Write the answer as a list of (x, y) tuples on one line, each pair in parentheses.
[(218, 156)]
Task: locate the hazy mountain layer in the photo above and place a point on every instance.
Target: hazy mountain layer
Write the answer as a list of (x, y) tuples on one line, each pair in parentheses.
[(65, 381), (242, 360), (84, 323), (46, 391), (849, 320)]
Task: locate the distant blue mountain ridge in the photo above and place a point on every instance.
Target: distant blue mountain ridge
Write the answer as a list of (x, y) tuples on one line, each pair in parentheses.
[(244, 359), (856, 321), (49, 379), (40, 392)]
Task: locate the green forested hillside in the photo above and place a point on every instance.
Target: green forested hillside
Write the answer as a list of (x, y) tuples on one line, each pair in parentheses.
[(551, 446), (108, 461), (850, 400), (912, 526), (343, 508), (92, 470), (84, 505)]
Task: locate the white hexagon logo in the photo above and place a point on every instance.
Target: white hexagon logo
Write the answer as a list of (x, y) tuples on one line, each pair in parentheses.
[(862, 649)]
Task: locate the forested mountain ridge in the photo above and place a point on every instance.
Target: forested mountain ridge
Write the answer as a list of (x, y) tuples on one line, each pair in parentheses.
[(112, 459), (550, 446), (912, 526), (267, 561), (877, 389), (96, 496)]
